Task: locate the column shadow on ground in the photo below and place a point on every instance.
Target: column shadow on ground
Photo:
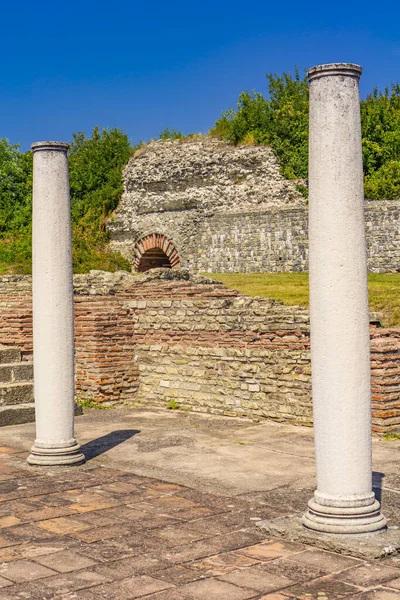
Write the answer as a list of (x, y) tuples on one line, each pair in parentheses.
[(107, 442), (377, 479)]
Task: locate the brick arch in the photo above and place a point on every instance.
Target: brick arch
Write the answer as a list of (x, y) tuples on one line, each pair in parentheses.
[(159, 247)]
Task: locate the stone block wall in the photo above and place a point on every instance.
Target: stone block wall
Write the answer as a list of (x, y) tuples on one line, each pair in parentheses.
[(163, 336), (254, 382), (227, 208)]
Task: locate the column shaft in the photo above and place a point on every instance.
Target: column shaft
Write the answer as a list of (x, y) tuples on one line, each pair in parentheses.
[(339, 315), (53, 312)]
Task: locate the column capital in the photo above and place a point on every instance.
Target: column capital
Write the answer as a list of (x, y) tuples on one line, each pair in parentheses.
[(332, 69), (55, 146)]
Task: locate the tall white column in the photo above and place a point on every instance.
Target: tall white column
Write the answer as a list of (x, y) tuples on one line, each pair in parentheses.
[(340, 347), (53, 310)]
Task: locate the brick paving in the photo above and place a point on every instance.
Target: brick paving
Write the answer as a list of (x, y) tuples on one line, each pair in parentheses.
[(94, 532)]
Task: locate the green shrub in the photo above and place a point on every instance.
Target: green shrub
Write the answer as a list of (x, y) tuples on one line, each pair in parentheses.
[(95, 170), (281, 120)]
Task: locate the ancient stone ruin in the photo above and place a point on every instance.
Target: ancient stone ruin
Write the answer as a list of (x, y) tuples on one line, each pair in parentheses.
[(164, 336), (209, 206)]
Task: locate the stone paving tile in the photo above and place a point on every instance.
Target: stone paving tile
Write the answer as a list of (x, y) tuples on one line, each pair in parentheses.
[(368, 575), (5, 542), (32, 550), (378, 594), (155, 522), (9, 521), (28, 533), (100, 518), (268, 550), (293, 570), (171, 594), (214, 525), (326, 587), (172, 502), (24, 570), (221, 564), (82, 506), (213, 589), (163, 486), (65, 561), (4, 583), (328, 561), (181, 534), (52, 501), (395, 583), (279, 596), (45, 513), (197, 512), (122, 513), (209, 547), (258, 579), (127, 567), (101, 533), (108, 550), (130, 588), (63, 525), (74, 581), (178, 575)]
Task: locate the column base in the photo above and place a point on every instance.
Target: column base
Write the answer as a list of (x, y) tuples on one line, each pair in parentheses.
[(49, 457), (344, 520)]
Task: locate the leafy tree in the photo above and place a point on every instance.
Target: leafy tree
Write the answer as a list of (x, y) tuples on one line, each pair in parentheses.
[(279, 120), (15, 187), (95, 167), (380, 119)]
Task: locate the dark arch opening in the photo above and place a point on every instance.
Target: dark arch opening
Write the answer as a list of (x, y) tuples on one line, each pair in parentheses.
[(154, 258)]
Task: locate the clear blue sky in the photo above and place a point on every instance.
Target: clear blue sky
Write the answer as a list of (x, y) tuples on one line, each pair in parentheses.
[(142, 65)]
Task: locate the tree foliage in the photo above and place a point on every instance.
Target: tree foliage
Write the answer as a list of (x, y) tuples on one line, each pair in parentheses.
[(95, 170), (280, 120), (380, 119)]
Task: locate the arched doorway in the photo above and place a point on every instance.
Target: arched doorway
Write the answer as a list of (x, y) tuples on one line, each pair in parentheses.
[(155, 251)]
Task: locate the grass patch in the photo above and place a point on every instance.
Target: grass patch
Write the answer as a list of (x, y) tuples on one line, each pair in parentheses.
[(391, 436), (292, 289), (173, 405), (86, 403)]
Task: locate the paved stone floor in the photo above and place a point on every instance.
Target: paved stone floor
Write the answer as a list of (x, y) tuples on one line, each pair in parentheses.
[(104, 530)]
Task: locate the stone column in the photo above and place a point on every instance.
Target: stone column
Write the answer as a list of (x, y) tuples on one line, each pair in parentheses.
[(53, 311), (340, 355)]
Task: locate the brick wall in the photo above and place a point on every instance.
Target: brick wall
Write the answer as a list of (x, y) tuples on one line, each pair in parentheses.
[(149, 340)]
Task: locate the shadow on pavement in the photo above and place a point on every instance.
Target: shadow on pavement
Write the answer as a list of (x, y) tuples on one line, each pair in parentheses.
[(377, 479), (107, 442)]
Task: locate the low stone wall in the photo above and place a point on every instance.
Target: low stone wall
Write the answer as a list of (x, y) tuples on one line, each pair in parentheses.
[(163, 336), (258, 382)]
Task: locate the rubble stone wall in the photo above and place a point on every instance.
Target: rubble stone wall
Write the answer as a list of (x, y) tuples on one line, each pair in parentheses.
[(228, 209), (164, 336)]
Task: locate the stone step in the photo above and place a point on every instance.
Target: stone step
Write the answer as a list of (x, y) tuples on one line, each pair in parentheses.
[(15, 415), (9, 354), (16, 393), (12, 372), (23, 413)]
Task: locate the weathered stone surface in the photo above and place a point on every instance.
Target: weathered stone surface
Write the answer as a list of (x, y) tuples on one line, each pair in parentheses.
[(370, 546), (227, 208)]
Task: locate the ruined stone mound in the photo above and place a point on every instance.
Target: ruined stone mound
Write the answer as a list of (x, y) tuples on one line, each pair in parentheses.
[(204, 172)]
